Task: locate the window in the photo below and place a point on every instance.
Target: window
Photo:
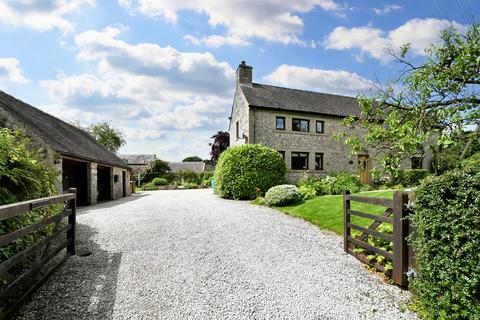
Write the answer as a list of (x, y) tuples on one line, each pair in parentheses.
[(280, 123), (299, 160), (416, 163), (282, 153), (301, 125), (318, 161), (319, 126), (237, 130)]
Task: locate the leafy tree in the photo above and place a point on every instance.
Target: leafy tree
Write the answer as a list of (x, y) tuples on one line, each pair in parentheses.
[(427, 104), (156, 168), (105, 134), (192, 159), (221, 141)]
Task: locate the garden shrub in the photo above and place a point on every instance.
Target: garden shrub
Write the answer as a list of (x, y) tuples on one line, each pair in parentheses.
[(307, 192), (334, 183), (190, 185), (188, 176), (316, 183), (282, 195), (446, 243), (247, 171), (411, 177), (159, 181), (23, 176), (338, 182), (473, 160)]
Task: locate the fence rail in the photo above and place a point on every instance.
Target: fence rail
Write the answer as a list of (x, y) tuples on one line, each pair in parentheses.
[(19, 282), (396, 207)]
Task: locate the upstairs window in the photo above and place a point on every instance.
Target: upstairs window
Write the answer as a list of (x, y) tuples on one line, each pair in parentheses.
[(318, 161), (320, 126), (280, 123), (237, 130), (299, 160), (301, 125)]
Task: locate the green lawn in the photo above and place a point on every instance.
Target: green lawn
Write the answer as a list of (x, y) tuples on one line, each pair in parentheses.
[(326, 212)]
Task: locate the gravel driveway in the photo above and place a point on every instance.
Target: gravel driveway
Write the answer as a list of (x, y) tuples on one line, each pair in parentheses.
[(191, 255)]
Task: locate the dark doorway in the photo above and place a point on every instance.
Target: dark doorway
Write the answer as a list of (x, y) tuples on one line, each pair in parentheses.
[(104, 183), (124, 183), (74, 175)]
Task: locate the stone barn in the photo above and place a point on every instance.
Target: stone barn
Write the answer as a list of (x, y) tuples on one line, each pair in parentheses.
[(82, 162)]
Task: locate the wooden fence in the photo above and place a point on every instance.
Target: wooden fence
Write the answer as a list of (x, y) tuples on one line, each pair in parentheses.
[(25, 272), (395, 214)]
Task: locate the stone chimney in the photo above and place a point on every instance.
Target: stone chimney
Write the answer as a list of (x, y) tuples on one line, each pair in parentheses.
[(244, 73)]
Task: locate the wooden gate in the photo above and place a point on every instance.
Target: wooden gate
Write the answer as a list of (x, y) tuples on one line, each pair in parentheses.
[(24, 272), (395, 214)]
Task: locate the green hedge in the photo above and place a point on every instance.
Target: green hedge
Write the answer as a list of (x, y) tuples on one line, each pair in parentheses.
[(282, 195), (447, 245), (411, 177), (159, 181), (247, 171)]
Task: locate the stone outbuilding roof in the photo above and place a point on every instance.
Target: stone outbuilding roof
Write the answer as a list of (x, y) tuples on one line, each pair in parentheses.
[(197, 167), (62, 137), (137, 159), (294, 100)]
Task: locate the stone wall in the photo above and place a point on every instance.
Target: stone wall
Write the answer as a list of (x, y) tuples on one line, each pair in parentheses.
[(92, 181), (240, 113), (117, 186), (335, 154)]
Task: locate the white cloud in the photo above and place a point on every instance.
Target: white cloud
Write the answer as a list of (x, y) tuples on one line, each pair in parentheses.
[(274, 20), (10, 71), (40, 15), (144, 89), (327, 81), (215, 41), (387, 9), (420, 33)]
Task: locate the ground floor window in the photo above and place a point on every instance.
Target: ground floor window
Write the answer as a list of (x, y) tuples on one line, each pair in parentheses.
[(318, 161), (299, 160), (282, 153), (416, 163)]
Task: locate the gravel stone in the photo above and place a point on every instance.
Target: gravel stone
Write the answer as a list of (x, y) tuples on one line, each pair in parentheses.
[(191, 255)]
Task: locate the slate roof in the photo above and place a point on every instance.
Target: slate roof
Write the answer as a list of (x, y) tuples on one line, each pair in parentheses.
[(279, 98), (137, 159), (59, 135), (197, 167)]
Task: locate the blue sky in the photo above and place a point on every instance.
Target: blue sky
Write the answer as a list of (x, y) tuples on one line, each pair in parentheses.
[(162, 71)]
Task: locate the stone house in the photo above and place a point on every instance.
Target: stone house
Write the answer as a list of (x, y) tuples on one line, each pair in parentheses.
[(80, 160), (301, 126), (197, 167), (138, 162)]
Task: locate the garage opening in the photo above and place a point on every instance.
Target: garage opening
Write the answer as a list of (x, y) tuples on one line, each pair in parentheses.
[(104, 183), (74, 175)]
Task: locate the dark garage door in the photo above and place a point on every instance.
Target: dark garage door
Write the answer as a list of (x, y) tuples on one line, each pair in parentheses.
[(74, 175), (104, 183)]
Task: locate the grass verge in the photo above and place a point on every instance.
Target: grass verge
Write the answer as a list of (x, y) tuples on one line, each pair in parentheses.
[(326, 212)]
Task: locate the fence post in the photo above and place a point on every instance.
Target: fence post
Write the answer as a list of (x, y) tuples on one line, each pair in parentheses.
[(400, 233), (72, 218), (346, 219)]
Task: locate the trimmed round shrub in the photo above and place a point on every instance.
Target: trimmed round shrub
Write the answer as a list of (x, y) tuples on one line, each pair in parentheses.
[(282, 195), (248, 171), (159, 182), (447, 245)]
